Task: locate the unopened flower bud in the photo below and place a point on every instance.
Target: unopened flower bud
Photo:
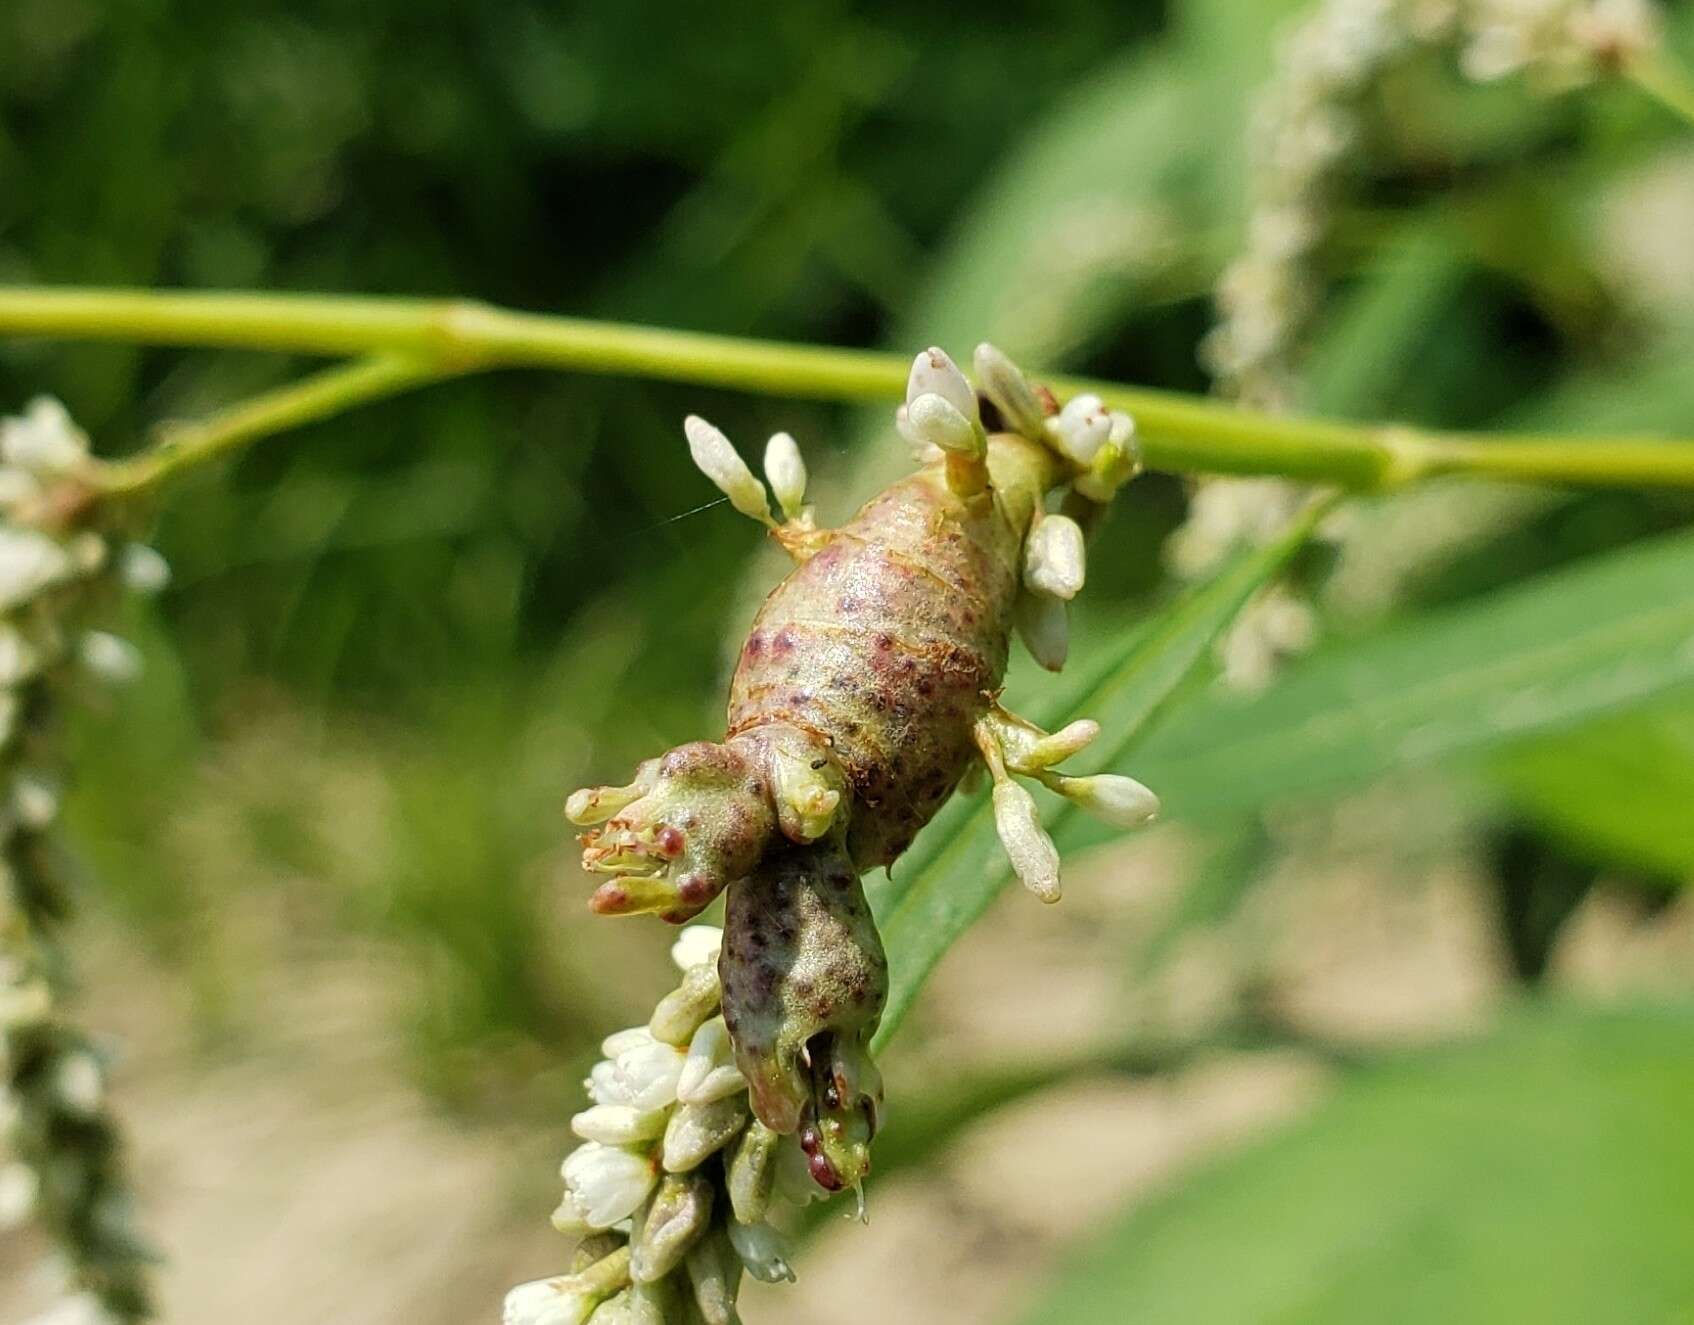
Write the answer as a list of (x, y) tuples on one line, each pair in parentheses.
[(680, 1213), (631, 1037), (619, 1124), (936, 421), (751, 1172), (681, 1011), (720, 462), (143, 570), (29, 563), (43, 440), (698, 1131), (79, 1084), (1081, 428), (1120, 801), (1035, 860), (1043, 624), (1118, 461), (1028, 749), (569, 1299), (20, 659), (714, 1272), (710, 1072), (647, 1074), (1053, 557), (605, 1184), (762, 1250), (934, 373), (787, 473), (548, 1302), (696, 945), (35, 800), (1005, 385), (19, 1187), (110, 658), (595, 805), (808, 791)]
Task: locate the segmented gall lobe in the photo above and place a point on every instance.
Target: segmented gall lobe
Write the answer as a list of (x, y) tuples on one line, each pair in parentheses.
[(885, 643)]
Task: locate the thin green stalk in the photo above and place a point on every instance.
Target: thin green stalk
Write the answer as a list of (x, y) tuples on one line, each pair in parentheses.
[(410, 341), (184, 446)]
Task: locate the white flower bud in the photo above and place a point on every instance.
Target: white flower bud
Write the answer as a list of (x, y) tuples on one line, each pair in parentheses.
[(787, 473), (923, 453), (19, 658), (18, 487), (19, 1187), (35, 800), (934, 373), (697, 945), (29, 563), (1053, 561), (79, 1083), (143, 570), (1003, 383), (77, 1309), (1035, 860), (1120, 801), (1027, 750), (43, 440), (710, 1072), (762, 1250), (698, 1131), (27, 1004), (680, 1012), (935, 421), (87, 551), (632, 1037), (1081, 428), (678, 1216), (1044, 627), (619, 1124), (109, 658), (606, 1184), (548, 1302), (720, 462), (714, 1273), (648, 1073), (603, 1086)]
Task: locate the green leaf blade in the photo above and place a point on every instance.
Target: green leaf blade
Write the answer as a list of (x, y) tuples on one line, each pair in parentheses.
[(1541, 1174), (959, 868)]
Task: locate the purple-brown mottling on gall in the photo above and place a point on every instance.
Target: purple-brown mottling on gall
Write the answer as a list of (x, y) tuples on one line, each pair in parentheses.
[(870, 665)]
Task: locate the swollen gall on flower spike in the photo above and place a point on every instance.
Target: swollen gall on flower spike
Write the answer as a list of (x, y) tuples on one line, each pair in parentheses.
[(864, 693)]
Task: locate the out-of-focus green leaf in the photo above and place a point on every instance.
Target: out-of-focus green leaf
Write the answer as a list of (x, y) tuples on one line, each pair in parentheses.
[(1538, 1175), (1621, 788), (1543, 656), (959, 867), (1061, 236)]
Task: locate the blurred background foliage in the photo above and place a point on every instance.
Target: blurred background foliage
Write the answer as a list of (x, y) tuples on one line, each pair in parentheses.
[(393, 642)]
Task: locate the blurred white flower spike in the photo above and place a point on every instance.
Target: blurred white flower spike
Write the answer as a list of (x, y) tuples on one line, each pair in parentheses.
[(57, 561)]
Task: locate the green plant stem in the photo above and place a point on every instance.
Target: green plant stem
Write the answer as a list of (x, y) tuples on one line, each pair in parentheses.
[(1666, 82), (406, 342), (183, 446)]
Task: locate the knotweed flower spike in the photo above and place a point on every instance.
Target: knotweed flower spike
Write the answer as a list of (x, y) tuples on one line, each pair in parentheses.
[(866, 689), (60, 1156), (1304, 128)]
